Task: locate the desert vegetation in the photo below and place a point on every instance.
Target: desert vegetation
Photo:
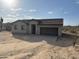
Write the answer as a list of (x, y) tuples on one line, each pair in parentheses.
[(72, 32), (71, 29)]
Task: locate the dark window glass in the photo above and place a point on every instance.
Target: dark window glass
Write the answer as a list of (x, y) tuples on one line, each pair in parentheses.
[(15, 27), (22, 27)]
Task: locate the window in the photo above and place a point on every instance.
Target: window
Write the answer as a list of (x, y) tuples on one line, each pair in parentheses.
[(22, 27), (15, 27)]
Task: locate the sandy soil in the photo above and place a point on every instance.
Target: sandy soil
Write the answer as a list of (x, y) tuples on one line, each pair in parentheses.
[(36, 47)]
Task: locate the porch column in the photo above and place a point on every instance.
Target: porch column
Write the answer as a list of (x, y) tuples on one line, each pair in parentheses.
[(60, 31), (37, 29), (29, 29)]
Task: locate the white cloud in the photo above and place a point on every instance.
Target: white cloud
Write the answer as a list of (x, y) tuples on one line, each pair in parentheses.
[(9, 15), (31, 17), (12, 18), (32, 10), (9, 19), (28, 17), (12, 15), (16, 9), (77, 2), (50, 12)]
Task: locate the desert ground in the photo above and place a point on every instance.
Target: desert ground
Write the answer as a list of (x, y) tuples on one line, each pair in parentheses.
[(36, 47)]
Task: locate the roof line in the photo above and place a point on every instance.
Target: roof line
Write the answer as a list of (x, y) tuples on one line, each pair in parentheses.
[(43, 19)]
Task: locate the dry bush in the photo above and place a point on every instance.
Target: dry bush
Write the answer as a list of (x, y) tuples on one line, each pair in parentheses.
[(72, 31), (65, 30)]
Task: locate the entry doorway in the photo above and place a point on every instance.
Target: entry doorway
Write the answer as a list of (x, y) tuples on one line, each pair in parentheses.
[(33, 28)]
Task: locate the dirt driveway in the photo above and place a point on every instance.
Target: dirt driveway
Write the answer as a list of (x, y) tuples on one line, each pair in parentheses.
[(36, 47), (7, 37)]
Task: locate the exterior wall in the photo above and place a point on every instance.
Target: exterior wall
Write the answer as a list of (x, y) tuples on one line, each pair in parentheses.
[(28, 29), (0, 26), (19, 30)]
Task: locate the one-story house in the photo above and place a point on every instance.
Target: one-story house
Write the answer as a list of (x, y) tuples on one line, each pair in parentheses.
[(38, 26), (6, 26)]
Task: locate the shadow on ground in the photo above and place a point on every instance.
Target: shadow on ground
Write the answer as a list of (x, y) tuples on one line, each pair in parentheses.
[(65, 42)]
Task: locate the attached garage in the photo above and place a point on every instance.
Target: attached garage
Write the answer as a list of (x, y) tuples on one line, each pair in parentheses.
[(48, 31)]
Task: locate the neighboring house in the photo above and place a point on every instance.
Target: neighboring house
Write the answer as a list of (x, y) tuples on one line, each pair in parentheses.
[(3, 26), (38, 26), (0, 26), (7, 26), (1, 22)]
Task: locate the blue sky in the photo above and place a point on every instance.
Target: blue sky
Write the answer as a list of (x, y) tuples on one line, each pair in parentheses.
[(28, 9)]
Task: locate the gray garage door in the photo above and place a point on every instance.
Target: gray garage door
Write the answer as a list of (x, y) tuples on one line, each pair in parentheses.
[(49, 31)]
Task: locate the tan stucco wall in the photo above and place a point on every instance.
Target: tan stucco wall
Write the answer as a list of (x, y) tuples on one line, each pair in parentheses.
[(60, 30), (18, 30)]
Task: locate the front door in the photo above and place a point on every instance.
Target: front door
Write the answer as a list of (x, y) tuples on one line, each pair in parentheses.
[(33, 28)]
